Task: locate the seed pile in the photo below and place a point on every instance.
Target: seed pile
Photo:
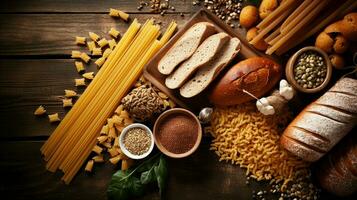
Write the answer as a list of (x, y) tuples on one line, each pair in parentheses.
[(157, 6), (137, 141), (226, 10), (310, 70)]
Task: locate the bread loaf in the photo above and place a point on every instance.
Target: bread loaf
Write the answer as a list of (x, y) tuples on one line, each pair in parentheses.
[(185, 46), (203, 55), (337, 173), (257, 75), (323, 123), (209, 72)]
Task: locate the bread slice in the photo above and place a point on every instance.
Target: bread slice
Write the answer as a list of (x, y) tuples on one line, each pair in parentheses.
[(208, 73), (185, 46), (203, 55)]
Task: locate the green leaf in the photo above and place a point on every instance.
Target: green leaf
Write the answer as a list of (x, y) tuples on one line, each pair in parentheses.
[(118, 186), (148, 176), (161, 174)]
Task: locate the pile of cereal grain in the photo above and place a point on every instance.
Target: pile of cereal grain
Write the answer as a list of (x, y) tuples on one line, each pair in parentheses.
[(246, 137)]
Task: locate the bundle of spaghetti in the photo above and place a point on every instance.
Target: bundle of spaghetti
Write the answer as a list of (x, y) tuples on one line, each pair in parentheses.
[(132, 70), (56, 138), (244, 136)]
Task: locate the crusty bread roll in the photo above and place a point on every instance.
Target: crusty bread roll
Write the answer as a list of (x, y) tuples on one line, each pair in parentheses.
[(337, 173), (323, 123), (203, 55), (185, 46), (206, 74), (257, 75)]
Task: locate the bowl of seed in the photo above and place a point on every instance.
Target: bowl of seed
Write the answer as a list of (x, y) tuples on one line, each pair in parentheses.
[(309, 70), (136, 141)]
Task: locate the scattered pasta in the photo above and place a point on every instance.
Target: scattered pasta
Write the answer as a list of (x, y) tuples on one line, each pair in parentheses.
[(40, 111), (54, 118), (100, 61), (106, 53), (103, 42), (93, 36), (70, 93), (76, 54), (97, 149), (112, 44), (115, 159), (85, 57), (80, 40), (118, 13), (89, 166), (88, 75), (114, 33), (98, 159), (67, 103), (79, 66), (91, 45), (97, 52), (79, 82)]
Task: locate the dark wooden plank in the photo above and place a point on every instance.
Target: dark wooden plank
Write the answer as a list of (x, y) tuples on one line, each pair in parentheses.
[(26, 84), (9, 6), (53, 34)]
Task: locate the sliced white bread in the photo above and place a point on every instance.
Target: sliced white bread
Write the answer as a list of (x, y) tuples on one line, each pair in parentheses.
[(185, 46), (203, 55), (209, 72)]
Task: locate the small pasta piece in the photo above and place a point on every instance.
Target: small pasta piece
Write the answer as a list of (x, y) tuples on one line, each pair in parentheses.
[(112, 44), (119, 109), (103, 42), (117, 120), (118, 13), (106, 53), (89, 166), (108, 145), (126, 164), (105, 130), (67, 103), (116, 142), (79, 82), (80, 40), (97, 52), (98, 159), (113, 152), (112, 133), (115, 159), (88, 75), (91, 45), (85, 57), (97, 149), (93, 36), (76, 54), (114, 32), (70, 93), (101, 139), (100, 61), (79, 66), (54, 118), (40, 111)]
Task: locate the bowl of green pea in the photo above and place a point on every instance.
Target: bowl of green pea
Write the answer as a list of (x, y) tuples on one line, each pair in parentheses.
[(309, 70)]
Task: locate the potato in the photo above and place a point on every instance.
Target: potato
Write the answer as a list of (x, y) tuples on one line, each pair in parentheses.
[(337, 61), (341, 44), (260, 45), (348, 26), (324, 42), (248, 16), (266, 7)]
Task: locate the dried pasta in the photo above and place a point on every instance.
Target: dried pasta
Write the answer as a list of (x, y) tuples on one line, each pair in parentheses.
[(79, 66), (100, 61), (97, 52), (106, 53), (79, 82), (80, 40), (103, 42), (40, 111), (89, 166), (93, 36), (76, 54), (114, 33), (85, 57), (112, 44), (70, 93), (91, 45), (67, 103), (88, 75), (54, 118), (97, 149), (98, 159), (118, 13)]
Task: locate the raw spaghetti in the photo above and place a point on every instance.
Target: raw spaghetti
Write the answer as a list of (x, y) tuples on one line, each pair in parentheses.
[(248, 138)]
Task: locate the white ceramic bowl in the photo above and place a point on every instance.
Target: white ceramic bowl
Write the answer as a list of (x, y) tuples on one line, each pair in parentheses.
[(122, 146)]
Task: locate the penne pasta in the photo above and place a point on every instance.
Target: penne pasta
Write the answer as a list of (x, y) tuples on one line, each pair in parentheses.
[(67, 103), (114, 33), (76, 54), (103, 42), (40, 111), (97, 52), (100, 61), (93, 36), (106, 53), (88, 75), (118, 13), (79, 66), (91, 45), (80, 40), (69, 93), (79, 82), (85, 57), (54, 118), (112, 44)]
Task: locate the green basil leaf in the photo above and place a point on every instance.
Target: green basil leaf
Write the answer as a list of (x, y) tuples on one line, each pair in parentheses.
[(136, 188), (118, 186), (161, 174), (148, 176)]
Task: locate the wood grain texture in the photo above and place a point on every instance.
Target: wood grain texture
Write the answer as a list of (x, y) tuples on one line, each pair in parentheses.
[(54, 34), (78, 6)]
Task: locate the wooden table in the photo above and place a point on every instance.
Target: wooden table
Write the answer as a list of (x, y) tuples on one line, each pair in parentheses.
[(36, 39)]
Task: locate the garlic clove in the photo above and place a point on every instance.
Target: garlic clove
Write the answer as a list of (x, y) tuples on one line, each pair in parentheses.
[(283, 83), (269, 110), (287, 93)]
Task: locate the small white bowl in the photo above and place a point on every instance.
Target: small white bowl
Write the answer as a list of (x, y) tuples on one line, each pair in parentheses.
[(128, 153)]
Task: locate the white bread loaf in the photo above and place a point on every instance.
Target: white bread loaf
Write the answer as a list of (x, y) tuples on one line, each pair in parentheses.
[(203, 55), (209, 72), (185, 46), (323, 123)]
